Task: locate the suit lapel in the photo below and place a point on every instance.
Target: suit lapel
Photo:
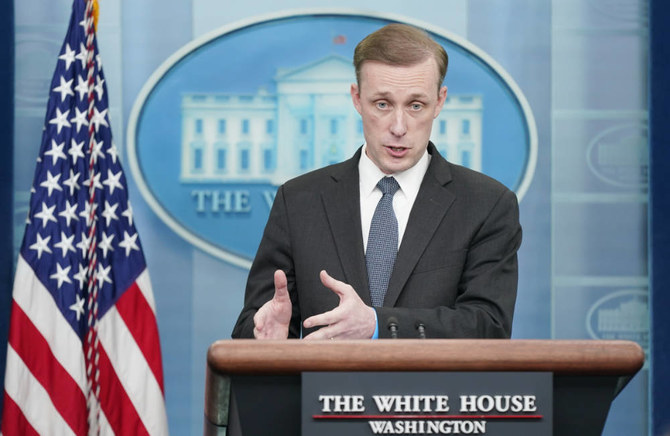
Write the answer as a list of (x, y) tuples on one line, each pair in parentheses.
[(430, 206), (341, 200)]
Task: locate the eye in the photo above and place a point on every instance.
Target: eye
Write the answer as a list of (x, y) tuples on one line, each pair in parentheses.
[(416, 106), (382, 105)]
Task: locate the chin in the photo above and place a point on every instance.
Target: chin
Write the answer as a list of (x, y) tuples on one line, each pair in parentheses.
[(396, 168)]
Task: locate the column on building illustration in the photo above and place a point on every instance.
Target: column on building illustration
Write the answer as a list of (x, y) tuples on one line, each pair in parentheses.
[(221, 146)]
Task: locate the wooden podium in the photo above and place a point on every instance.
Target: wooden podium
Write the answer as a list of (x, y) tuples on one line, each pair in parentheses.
[(253, 386)]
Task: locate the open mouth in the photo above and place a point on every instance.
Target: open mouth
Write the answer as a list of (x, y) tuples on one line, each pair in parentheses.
[(397, 151)]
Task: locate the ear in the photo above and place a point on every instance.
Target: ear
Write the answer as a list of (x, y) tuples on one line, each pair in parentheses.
[(441, 98), (356, 97)]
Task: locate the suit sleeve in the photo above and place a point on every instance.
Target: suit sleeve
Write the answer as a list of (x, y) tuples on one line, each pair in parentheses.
[(486, 293), (274, 252)]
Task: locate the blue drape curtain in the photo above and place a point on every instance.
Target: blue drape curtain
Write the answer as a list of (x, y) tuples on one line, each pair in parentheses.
[(659, 196), (6, 175)]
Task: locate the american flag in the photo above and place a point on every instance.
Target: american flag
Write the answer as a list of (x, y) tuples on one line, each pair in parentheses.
[(83, 353)]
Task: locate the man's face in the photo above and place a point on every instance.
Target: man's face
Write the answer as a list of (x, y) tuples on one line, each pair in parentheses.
[(398, 105)]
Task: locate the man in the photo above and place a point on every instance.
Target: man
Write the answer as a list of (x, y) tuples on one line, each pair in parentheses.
[(432, 255)]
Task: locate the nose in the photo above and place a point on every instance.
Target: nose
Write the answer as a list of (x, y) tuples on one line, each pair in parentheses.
[(399, 123)]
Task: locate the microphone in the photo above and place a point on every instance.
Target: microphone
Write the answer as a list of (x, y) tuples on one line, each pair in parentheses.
[(422, 330), (393, 327)]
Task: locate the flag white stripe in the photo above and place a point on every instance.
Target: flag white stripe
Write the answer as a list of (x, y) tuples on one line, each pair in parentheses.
[(133, 372), (105, 428), (32, 398), (144, 283), (38, 304)]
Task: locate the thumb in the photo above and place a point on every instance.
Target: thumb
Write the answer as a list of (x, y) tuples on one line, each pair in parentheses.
[(334, 285), (281, 285)]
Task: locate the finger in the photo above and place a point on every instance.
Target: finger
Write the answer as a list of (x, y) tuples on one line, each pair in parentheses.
[(340, 288), (259, 320), (281, 285), (326, 318), (319, 335), (331, 331), (258, 324)]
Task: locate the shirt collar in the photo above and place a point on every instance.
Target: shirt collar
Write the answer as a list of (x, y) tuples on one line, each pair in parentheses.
[(409, 180)]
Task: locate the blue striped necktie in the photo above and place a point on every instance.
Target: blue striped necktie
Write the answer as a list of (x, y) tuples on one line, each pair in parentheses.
[(382, 242)]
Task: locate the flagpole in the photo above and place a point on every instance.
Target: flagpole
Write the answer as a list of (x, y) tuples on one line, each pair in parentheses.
[(92, 355)]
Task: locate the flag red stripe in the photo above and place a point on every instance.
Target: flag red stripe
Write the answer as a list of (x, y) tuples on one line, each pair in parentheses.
[(114, 400), (34, 350), (13, 421), (141, 322)]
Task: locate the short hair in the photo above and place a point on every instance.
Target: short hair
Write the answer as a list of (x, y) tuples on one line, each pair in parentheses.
[(400, 44)]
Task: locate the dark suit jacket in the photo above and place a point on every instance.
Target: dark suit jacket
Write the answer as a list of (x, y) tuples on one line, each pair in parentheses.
[(456, 268)]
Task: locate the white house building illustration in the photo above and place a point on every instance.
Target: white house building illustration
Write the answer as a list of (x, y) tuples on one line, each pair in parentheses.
[(308, 123)]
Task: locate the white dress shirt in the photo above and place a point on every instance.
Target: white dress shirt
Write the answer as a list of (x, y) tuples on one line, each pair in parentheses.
[(403, 200)]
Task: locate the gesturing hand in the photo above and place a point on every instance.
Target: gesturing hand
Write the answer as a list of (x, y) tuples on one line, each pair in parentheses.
[(351, 319), (273, 318)]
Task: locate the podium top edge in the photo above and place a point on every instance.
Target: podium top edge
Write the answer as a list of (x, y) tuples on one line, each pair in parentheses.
[(567, 357)]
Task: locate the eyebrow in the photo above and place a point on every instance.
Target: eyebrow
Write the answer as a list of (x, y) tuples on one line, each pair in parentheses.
[(386, 95)]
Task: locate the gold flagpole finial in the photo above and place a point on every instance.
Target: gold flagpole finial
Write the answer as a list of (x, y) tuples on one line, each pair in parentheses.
[(96, 11)]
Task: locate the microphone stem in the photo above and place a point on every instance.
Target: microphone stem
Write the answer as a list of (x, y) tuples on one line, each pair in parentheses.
[(422, 331)]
